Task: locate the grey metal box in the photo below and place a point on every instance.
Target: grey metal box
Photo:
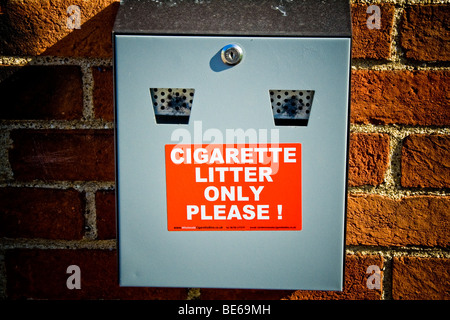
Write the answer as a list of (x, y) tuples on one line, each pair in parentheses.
[(290, 90)]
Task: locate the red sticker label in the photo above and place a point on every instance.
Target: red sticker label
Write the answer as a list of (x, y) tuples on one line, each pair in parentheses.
[(219, 187)]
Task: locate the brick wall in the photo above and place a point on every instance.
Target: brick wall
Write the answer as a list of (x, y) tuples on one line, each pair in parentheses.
[(57, 156)]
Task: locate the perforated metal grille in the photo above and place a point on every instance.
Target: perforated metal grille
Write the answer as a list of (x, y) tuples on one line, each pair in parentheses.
[(172, 105), (291, 104), (291, 107)]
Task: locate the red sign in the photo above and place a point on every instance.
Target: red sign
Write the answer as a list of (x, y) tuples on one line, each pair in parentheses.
[(219, 187)]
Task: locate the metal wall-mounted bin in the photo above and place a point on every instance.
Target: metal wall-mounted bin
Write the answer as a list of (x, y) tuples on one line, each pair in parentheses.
[(231, 143)]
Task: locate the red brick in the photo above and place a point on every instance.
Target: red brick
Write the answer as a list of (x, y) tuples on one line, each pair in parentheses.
[(401, 97), (355, 287), (41, 92), (420, 278), (103, 93), (424, 32), (42, 274), (62, 155), (40, 28), (41, 213), (410, 221), (368, 158), (426, 161), (372, 43), (106, 214)]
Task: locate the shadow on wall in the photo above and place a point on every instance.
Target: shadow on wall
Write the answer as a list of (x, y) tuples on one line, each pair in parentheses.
[(34, 29), (39, 28)]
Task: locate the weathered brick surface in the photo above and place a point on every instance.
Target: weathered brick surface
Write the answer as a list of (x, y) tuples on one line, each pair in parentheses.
[(411, 221), (41, 213), (426, 161), (103, 93), (355, 286), (372, 43), (106, 216), (62, 155), (42, 274), (40, 28), (368, 158), (424, 32), (401, 97), (421, 278), (41, 92)]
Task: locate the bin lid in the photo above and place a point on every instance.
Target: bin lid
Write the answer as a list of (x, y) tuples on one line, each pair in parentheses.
[(287, 18)]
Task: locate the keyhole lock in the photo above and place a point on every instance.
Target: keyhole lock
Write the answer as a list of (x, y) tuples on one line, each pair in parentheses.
[(231, 54)]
